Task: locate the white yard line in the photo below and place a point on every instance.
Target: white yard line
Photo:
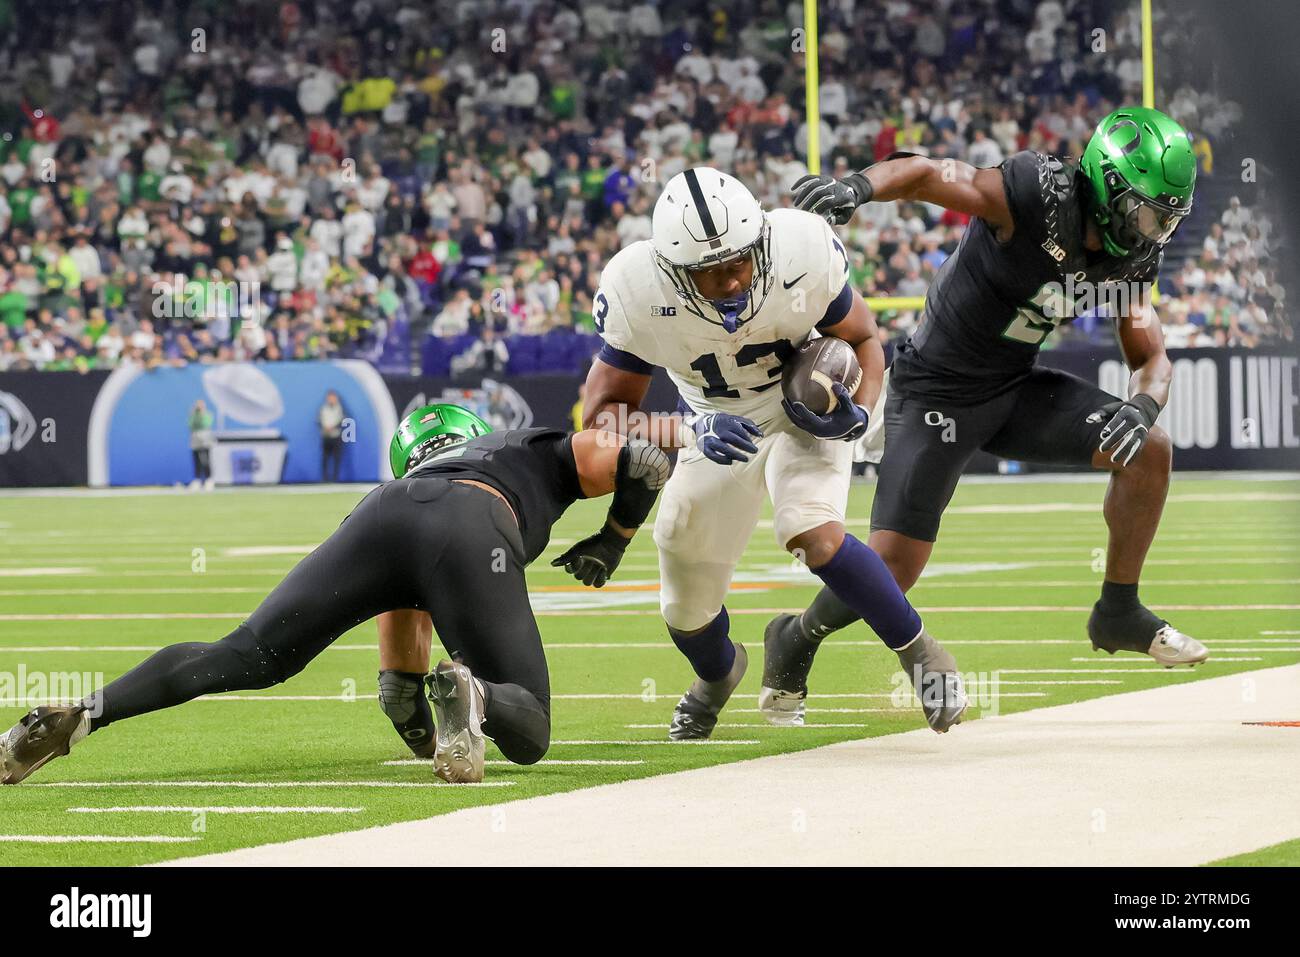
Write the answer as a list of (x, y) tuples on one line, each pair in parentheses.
[(720, 742), (66, 592), (810, 711), (813, 726), (925, 609), (1074, 784), (578, 762), (1103, 669), (1214, 659), (266, 784), (42, 572), (94, 839), (220, 809)]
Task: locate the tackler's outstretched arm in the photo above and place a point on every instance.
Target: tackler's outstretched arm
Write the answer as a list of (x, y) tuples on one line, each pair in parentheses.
[(634, 471)]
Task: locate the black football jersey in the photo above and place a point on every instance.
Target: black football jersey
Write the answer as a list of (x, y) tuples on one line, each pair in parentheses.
[(533, 468), (992, 305)]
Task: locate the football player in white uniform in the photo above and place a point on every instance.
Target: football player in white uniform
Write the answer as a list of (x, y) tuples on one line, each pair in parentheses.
[(720, 297)]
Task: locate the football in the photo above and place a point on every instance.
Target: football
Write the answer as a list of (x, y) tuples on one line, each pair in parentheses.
[(815, 367)]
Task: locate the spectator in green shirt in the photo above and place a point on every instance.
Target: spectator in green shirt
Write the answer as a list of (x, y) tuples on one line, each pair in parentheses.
[(13, 308), (202, 441)]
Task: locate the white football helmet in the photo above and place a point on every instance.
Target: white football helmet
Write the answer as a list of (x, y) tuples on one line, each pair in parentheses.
[(703, 218)]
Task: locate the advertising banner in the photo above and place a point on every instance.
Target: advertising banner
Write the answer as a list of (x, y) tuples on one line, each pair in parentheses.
[(44, 420), (265, 423)]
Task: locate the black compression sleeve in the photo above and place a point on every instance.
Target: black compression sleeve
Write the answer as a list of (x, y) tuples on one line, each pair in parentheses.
[(642, 471)]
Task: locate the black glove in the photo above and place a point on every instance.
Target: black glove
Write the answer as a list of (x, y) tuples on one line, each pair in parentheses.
[(1126, 432), (835, 200), (592, 561)]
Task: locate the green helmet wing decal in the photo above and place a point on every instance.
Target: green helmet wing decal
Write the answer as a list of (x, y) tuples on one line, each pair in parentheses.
[(429, 429), (1141, 173)]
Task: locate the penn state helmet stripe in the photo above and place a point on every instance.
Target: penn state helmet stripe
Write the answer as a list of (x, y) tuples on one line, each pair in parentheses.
[(697, 194)]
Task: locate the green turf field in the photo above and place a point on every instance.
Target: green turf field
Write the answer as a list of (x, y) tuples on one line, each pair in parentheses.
[(91, 584)]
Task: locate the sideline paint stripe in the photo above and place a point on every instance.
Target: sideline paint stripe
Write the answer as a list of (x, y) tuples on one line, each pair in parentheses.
[(93, 839), (426, 762), (1102, 669), (1102, 664), (656, 741), (763, 724), (221, 809), (265, 784)]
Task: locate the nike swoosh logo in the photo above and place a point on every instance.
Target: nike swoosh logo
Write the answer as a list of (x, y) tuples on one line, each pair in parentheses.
[(787, 285)]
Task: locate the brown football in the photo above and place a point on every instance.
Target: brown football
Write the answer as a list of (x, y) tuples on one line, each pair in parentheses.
[(809, 374)]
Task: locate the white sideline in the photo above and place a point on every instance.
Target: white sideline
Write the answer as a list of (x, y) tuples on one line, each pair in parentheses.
[(1167, 777)]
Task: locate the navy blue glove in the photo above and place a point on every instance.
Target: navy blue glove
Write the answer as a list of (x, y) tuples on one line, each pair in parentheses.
[(846, 421), (724, 438)]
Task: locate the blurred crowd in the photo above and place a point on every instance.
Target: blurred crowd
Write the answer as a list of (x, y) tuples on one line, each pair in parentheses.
[(185, 182)]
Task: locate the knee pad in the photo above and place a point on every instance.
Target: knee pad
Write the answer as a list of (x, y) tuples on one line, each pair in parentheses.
[(691, 593), (518, 721)]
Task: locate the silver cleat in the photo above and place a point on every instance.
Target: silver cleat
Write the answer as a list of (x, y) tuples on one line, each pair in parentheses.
[(1171, 647), (458, 710), (39, 737), (696, 715), (933, 673)]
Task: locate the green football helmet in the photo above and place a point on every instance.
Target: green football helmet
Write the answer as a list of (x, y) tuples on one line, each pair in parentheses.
[(429, 429), (1141, 171)]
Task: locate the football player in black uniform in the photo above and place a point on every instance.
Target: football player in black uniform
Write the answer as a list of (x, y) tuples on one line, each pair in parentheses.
[(448, 538), (1048, 236)]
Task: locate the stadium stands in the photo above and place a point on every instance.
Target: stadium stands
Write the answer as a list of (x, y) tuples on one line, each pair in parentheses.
[(204, 182)]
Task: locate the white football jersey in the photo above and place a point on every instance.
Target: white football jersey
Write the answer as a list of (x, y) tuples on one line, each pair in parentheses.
[(638, 311)]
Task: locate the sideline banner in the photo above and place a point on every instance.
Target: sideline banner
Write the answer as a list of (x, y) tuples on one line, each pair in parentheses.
[(1228, 409), (265, 423), (44, 420)]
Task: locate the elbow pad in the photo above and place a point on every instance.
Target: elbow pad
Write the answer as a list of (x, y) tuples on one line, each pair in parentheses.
[(642, 471)]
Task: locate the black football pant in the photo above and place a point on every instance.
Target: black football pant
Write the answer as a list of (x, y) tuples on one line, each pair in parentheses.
[(1048, 419), (450, 549), (1045, 420)]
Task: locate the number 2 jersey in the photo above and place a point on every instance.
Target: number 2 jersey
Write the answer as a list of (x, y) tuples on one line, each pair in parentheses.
[(645, 324), (991, 304)]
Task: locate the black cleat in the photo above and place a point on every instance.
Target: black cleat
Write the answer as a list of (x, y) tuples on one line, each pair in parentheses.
[(787, 659), (39, 737)]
